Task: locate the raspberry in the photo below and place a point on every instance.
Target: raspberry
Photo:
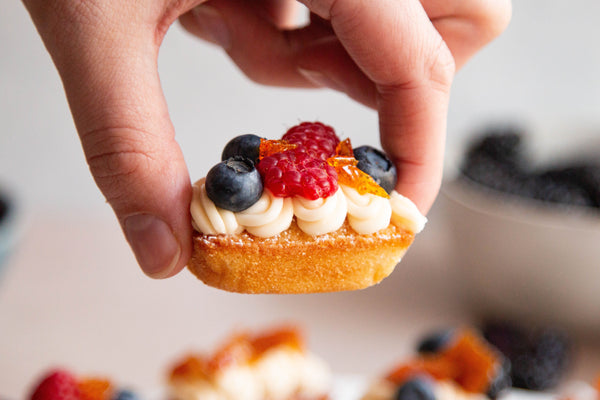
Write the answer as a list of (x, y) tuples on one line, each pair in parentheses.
[(57, 385), (296, 173), (315, 138)]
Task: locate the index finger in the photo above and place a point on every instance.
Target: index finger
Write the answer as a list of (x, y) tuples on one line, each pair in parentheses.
[(397, 47)]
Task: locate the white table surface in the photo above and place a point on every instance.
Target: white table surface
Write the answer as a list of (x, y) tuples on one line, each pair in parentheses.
[(73, 296)]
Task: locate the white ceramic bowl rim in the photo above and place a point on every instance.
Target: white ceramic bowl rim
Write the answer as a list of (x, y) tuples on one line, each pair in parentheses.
[(485, 200)]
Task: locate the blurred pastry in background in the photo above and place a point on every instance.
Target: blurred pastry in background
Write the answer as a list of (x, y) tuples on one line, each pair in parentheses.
[(270, 365), (62, 384), (451, 364)]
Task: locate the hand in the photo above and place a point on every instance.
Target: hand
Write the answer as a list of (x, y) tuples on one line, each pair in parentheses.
[(397, 56)]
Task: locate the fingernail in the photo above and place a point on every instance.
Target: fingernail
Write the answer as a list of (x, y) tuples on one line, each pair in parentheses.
[(212, 26), (153, 243), (320, 79)]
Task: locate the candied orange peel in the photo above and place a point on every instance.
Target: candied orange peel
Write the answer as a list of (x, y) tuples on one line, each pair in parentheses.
[(344, 148), (468, 361), (270, 147), (350, 175), (241, 348), (95, 389)]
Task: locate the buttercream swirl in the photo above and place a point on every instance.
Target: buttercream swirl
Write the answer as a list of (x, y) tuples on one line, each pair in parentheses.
[(269, 216), (320, 216), (405, 213), (280, 374), (208, 218), (367, 213)]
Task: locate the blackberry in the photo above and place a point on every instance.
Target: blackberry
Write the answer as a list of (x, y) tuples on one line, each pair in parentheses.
[(378, 166), (539, 357), (244, 145), (415, 389), (501, 143), (583, 180), (558, 186), (497, 161), (234, 184), (3, 208)]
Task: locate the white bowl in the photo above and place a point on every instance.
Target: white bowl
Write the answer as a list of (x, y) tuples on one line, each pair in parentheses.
[(523, 259)]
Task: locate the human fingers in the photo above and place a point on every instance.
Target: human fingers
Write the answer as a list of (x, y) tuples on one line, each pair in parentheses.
[(109, 72), (259, 43), (397, 47), (468, 25)]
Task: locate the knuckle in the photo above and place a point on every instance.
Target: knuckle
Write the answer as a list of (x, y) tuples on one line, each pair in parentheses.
[(440, 66), (116, 160)]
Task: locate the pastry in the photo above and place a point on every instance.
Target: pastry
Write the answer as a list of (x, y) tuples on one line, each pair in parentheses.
[(62, 384), (271, 365), (457, 365), (304, 214)]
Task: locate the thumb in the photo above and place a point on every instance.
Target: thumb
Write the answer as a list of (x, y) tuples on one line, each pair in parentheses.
[(114, 93)]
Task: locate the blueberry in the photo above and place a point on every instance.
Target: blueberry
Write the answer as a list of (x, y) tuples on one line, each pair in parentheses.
[(234, 184), (539, 357), (378, 166), (125, 395), (244, 145), (435, 341), (415, 389)]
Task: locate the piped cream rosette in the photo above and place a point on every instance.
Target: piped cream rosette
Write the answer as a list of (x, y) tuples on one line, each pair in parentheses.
[(270, 215)]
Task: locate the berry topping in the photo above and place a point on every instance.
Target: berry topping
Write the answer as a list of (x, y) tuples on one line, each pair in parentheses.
[(539, 357), (296, 173), (467, 359), (57, 385), (125, 395), (243, 145), (435, 342), (315, 138), (378, 166), (415, 389), (234, 184)]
